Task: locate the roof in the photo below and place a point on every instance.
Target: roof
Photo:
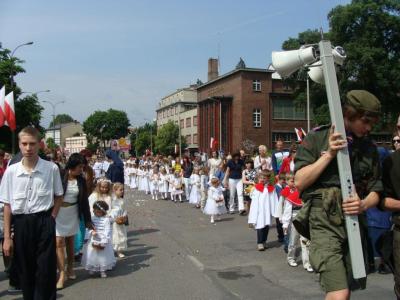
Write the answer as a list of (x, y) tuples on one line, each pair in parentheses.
[(234, 72), (59, 126), (176, 104)]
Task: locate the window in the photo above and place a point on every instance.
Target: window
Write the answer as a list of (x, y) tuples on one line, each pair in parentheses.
[(256, 85), (257, 118), (286, 137), (287, 109), (188, 122), (188, 139), (195, 138), (182, 123), (194, 120)]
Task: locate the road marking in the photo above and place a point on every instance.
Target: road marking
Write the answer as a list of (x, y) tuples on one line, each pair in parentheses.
[(196, 262)]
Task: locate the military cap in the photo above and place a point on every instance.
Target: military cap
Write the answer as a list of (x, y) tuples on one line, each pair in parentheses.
[(363, 100)]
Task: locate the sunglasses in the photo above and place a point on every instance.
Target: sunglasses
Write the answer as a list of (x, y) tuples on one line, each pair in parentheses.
[(395, 141)]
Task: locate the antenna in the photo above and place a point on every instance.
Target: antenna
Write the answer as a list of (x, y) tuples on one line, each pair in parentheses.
[(219, 51)]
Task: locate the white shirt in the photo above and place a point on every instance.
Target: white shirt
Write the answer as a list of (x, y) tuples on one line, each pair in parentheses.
[(31, 193), (259, 160)]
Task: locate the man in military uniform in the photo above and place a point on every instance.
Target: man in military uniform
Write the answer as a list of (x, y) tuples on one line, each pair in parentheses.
[(317, 177), (391, 202)]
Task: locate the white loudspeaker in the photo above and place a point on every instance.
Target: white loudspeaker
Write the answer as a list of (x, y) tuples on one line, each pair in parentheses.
[(288, 62), (317, 74), (339, 55)]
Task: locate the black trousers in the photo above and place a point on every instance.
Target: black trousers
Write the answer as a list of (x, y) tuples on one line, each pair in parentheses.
[(279, 229), (262, 235), (35, 254)]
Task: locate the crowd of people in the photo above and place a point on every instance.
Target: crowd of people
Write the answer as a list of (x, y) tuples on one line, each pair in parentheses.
[(80, 202)]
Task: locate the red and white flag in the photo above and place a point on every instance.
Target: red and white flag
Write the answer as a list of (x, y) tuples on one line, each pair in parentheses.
[(9, 111), (300, 133), (2, 104)]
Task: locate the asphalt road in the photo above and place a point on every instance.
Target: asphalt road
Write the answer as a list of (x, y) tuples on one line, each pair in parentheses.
[(176, 253)]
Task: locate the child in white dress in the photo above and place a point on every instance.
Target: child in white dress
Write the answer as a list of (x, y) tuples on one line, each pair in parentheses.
[(132, 177), (195, 195), (154, 184), (119, 217), (98, 254), (215, 205), (170, 179), (177, 185), (101, 192), (163, 183)]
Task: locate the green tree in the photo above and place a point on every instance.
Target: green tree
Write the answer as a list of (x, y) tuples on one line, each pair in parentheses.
[(51, 144), (141, 139), (27, 110), (61, 119), (106, 125), (369, 31), (167, 138)]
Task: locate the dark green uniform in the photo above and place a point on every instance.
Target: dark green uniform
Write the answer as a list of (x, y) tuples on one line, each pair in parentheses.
[(329, 253), (391, 182)]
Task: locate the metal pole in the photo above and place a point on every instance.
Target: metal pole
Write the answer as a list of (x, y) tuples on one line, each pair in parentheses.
[(180, 135), (343, 161), (308, 104)]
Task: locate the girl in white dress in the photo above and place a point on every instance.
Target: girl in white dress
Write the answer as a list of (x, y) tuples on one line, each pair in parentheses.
[(177, 187), (102, 192), (140, 178), (145, 180), (154, 184), (195, 195), (127, 169), (215, 205), (203, 186), (132, 177), (119, 217), (164, 183), (170, 179), (98, 254)]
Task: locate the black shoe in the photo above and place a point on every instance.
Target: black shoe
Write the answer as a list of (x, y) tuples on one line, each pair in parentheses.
[(382, 269), (13, 289), (281, 240)]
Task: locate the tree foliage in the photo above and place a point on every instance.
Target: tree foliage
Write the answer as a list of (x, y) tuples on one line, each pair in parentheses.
[(106, 125), (50, 143), (141, 140), (61, 119), (27, 110), (167, 138), (369, 31)]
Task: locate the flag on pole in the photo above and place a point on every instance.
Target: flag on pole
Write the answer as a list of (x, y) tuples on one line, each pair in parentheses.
[(213, 143), (2, 103), (9, 111), (300, 133)]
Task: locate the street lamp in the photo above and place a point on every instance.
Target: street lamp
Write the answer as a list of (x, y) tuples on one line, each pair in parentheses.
[(53, 105), (151, 134), (34, 93)]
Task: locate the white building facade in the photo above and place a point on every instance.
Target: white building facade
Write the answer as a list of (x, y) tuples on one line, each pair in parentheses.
[(75, 144), (181, 108)]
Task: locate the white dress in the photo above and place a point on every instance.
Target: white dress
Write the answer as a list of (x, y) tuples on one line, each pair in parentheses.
[(195, 195), (177, 186), (132, 178), (212, 206), (67, 221), (119, 235), (154, 183), (95, 197), (99, 260), (170, 178), (260, 209), (163, 183)]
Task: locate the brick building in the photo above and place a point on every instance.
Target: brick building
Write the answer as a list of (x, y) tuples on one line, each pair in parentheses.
[(244, 108)]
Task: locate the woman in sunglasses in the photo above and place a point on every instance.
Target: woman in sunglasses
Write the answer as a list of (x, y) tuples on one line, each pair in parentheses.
[(396, 143)]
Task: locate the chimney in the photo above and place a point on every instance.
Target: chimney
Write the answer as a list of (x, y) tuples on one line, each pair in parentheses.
[(212, 68)]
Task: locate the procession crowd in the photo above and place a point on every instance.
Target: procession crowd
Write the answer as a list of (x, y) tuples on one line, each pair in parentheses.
[(80, 202)]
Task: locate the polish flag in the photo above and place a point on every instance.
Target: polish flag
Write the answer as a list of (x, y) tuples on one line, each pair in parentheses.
[(2, 104), (300, 134), (9, 111)]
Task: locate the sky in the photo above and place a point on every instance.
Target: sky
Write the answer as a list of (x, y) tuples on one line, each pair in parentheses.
[(129, 54)]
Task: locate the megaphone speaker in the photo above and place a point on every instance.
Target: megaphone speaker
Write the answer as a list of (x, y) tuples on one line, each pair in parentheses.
[(288, 62), (316, 73)]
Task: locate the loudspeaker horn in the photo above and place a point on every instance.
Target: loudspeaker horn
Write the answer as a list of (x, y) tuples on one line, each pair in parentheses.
[(316, 72), (288, 62)]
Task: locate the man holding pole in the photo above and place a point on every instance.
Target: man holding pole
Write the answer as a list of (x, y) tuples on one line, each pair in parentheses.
[(317, 177)]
